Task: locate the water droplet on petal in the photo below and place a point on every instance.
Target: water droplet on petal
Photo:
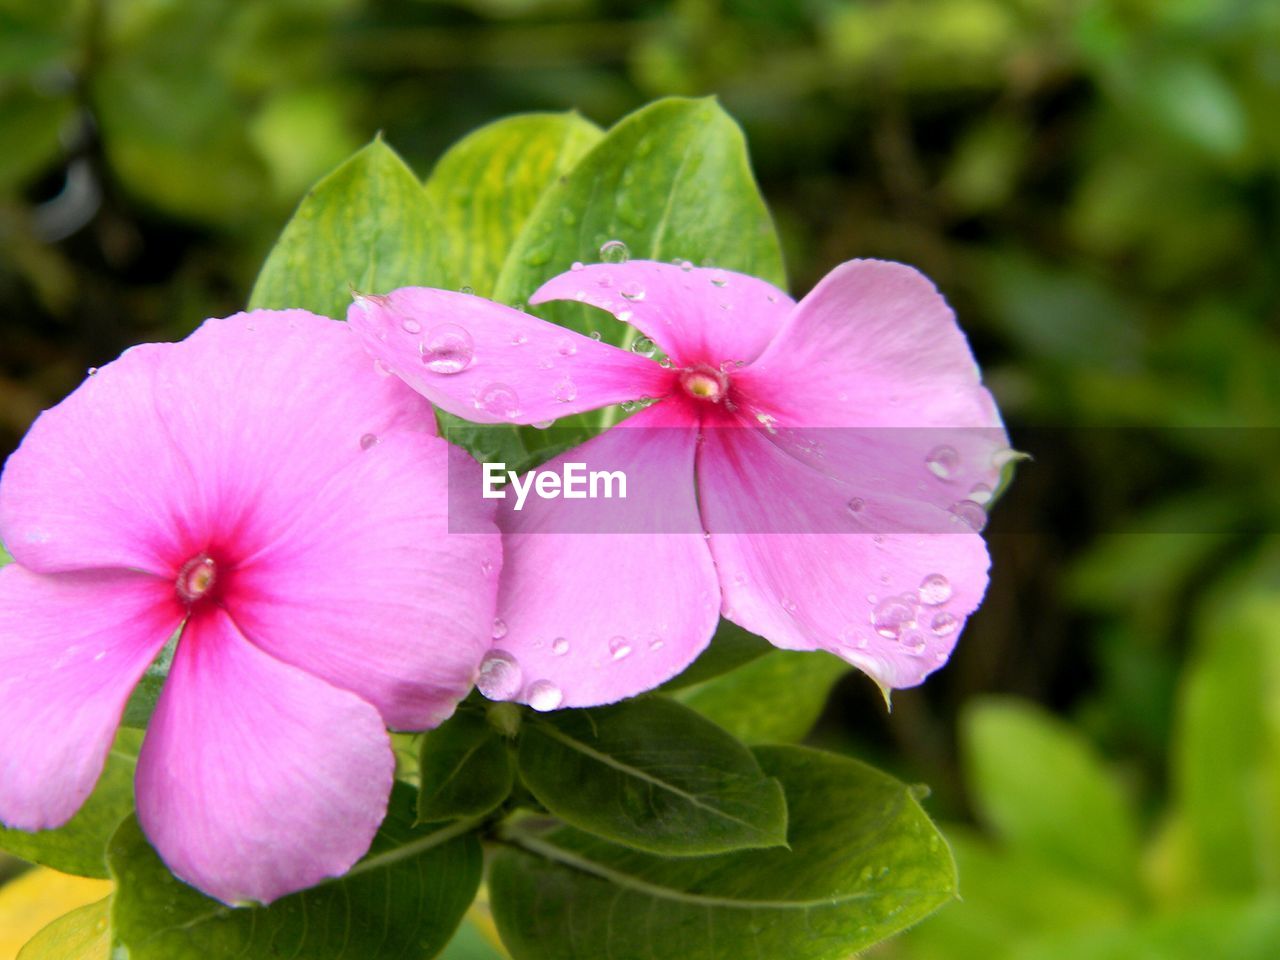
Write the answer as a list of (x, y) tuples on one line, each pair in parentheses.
[(943, 624), (544, 695), (368, 440), (686, 265), (719, 279), (566, 391), (789, 606), (499, 675), (595, 335), (93, 371), (576, 265), (542, 424), (559, 646), (499, 628), (942, 461), (448, 349), (657, 643), (913, 642), (970, 514), (631, 290), (614, 251), (519, 340), (857, 505), (644, 346), (499, 400), (980, 494), (935, 589), (566, 347), (892, 615), (410, 325), (469, 291), (381, 368), (619, 649)]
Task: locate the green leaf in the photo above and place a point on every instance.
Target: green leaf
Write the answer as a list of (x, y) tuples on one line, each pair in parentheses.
[(863, 862), (1040, 785), (1227, 745), (730, 648), (466, 768), (774, 699), (80, 846), (368, 226), (142, 701), (403, 900), (488, 183), (651, 774), (82, 934), (671, 180)]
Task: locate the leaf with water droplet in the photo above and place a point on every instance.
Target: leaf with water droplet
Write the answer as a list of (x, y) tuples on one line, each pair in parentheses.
[(704, 791)]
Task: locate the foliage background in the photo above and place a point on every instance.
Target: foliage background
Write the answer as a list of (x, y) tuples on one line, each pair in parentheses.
[(1093, 184)]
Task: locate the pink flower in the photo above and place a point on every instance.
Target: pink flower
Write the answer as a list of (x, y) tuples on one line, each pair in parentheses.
[(260, 486), (837, 452)]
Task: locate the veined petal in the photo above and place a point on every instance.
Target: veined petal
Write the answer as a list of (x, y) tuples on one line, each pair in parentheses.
[(489, 363), (695, 314), (634, 598), (72, 646), (370, 590), (256, 779), (801, 568)]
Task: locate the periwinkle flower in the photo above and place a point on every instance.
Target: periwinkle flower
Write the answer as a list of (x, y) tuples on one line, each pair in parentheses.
[(837, 453), (261, 486)]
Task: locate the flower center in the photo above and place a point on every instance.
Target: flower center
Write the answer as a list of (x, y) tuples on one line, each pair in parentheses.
[(196, 578), (705, 383)]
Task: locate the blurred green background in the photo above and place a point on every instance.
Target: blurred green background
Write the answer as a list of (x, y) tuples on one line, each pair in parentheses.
[(1094, 184)]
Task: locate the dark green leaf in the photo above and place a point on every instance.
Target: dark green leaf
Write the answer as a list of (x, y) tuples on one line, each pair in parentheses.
[(367, 226), (774, 699), (142, 702), (864, 861), (730, 648), (1045, 791), (466, 768), (404, 900), (651, 774), (487, 184), (80, 847)]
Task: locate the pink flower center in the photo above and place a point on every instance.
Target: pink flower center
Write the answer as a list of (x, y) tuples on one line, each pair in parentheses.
[(705, 383), (196, 578)]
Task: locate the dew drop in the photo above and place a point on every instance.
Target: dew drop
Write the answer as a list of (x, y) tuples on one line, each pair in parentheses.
[(566, 391), (644, 346), (381, 368), (970, 514), (913, 642), (942, 461), (93, 371), (856, 505), (686, 265), (980, 494), (499, 675), (368, 440), (469, 291), (619, 648), (410, 325), (499, 628), (935, 589), (499, 400), (576, 266), (614, 251), (719, 279), (892, 615), (544, 695), (943, 624), (595, 335), (657, 643), (789, 605), (559, 646), (631, 290), (519, 340), (566, 347), (542, 424), (448, 349)]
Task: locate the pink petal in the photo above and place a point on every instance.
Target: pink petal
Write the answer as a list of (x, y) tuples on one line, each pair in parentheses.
[(632, 596), (72, 646), (873, 345), (801, 569), (491, 364), (268, 406), (695, 315), (255, 779), (371, 592), (176, 447)]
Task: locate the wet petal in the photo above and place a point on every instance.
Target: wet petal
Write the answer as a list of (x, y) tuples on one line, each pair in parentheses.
[(72, 646), (801, 568), (634, 598), (488, 363), (255, 779), (370, 590), (694, 314)]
